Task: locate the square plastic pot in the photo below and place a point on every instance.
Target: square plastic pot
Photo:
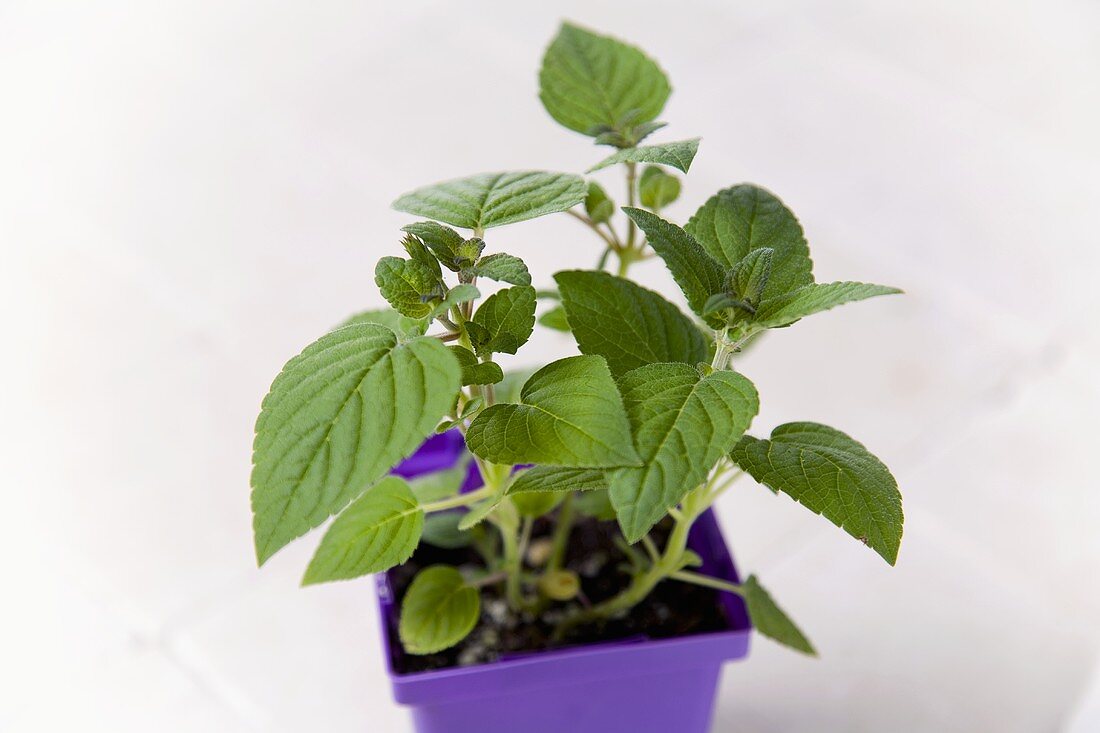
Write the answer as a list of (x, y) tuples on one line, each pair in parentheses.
[(638, 684)]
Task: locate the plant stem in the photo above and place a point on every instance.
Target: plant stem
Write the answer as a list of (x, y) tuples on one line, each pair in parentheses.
[(611, 243), (458, 500), (562, 529), (512, 566), (707, 581)]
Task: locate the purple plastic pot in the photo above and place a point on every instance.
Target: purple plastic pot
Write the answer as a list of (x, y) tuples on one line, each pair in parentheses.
[(637, 684)]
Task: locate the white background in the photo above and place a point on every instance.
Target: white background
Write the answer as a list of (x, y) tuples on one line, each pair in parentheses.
[(190, 192)]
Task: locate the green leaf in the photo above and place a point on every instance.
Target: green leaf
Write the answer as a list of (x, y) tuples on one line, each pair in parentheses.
[(678, 155), (591, 83), (401, 325), (597, 204), (503, 268), (809, 299), (378, 530), (461, 293), (555, 318), (571, 415), (832, 475), (338, 417), (595, 504), (745, 217), (507, 318), (474, 371), (749, 277), (698, 274), (494, 199), (557, 478), (441, 530), (439, 611), (657, 189), (627, 324), (442, 241), (417, 251), (770, 620), (532, 504), (683, 423), (410, 286), (480, 512)]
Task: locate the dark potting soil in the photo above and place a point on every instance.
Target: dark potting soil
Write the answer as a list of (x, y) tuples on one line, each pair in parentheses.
[(672, 609)]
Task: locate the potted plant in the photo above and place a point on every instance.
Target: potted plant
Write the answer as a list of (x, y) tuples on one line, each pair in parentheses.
[(548, 559)]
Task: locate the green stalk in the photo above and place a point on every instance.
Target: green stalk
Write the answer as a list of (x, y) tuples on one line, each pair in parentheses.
[(566, 515)]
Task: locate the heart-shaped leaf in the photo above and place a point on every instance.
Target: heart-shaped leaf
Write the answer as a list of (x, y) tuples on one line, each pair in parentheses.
[(571, 414), (438, 611), (592, 83)]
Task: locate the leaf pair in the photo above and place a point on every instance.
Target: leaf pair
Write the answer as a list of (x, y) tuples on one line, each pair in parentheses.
[(742, 261), (653, 442)]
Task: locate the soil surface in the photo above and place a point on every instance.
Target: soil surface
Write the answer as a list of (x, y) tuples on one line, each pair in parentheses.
[(672, 609)]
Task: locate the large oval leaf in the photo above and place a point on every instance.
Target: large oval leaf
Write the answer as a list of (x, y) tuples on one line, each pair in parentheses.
[(378, 530), (493, 199), (627, 324), (830, 474), (571, 414), (590, 82), (341, 414), (439, 610), (745, 217), (683, 423)]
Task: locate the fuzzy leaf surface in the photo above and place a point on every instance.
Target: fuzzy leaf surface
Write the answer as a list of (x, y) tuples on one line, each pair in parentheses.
[(697, 273), (474, 371), (832, 475), (438, 611), (683, 423), (503, 268), (338, 417), (410, 286), (570, 414), (677, 154), (591, 83), (378, 530), (745, 217), (401, 325), (494, 199), (627, 324), (507, 318), (809, 299)]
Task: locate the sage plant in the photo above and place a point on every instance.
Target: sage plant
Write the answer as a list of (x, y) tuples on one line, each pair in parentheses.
[(649, 421)]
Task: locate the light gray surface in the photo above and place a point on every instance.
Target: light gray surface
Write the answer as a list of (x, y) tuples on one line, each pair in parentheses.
[(192, 191)]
